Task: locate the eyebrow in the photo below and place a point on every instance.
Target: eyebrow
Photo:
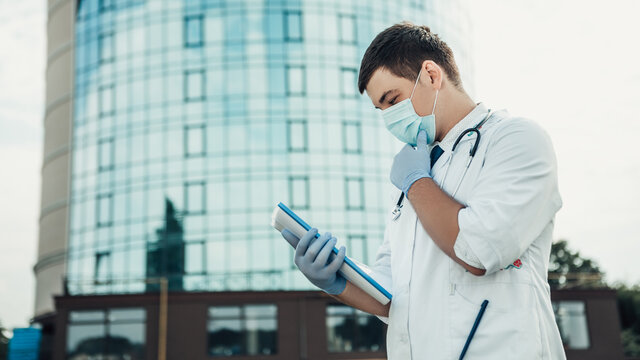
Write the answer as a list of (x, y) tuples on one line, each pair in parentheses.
[(384, 96)]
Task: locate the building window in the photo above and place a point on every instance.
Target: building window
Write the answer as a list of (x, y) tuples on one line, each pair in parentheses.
[(243, 330), (357, 245), (572, 322), (297, 135), (101, 268), (349, 82), (418, 4), (347, 29), (111, 333), (106, 5), (194, 197), (104, 210), (295, 80), (106, 47), (193, 31), (299, 192), (354, 193), (194, 85), (293, 25), (196, 258), (106, 99), (105, 154), (351, 137), (352, 330), (194, 140)]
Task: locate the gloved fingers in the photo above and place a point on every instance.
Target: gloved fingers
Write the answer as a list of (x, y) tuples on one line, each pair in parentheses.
[(316, 246), (323, 256), (303, 244), (405, 148), (337, 261), (290, 237), (422, 140)]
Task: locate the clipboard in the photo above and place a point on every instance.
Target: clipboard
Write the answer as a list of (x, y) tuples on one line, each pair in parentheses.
[(355, 272)]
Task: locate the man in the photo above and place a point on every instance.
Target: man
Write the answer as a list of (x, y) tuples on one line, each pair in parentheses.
[(471, 228)]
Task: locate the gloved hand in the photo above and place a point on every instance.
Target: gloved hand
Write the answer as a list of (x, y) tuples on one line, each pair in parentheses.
[(411, 164), (312, 255)]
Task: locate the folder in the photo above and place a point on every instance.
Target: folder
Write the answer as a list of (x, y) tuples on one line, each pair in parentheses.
[(352, 270)]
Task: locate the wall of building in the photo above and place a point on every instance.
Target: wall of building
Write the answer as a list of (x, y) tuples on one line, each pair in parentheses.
[(50, 267), (193, 119), (301, 319)]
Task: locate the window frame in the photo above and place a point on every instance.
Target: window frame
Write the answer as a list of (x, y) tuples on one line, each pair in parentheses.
[(292, 203), (101, 38), (203, 210), (187, 19), (203, 85), (343, 83), (111, 111), (305, 130), (303, 81), (287, 33), (354, 314), (358, 131), (99, 222), (242, 318), (360, 180), (110, 166), (185, 142), (354, 29), (106, 323)]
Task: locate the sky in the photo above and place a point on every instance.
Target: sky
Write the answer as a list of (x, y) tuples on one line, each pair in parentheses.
[(570, 65)]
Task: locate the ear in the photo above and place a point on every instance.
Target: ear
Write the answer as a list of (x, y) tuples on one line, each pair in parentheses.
[(436, 75)]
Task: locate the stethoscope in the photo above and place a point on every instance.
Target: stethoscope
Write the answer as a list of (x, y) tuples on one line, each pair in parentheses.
[(395, 214)]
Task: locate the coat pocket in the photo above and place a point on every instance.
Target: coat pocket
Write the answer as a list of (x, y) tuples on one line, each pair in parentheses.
[(509, 328)]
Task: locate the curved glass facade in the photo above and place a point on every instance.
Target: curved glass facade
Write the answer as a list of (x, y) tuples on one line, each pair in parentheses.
[(193, 119)]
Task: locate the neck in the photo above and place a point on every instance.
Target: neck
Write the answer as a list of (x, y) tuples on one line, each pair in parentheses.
[(453, 106)]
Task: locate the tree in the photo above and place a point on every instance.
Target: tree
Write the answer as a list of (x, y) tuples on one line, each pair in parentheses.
[(629, 309), (567, 269), (4, 343)]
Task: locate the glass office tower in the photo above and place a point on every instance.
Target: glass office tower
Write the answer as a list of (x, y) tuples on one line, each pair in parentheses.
[(193, 119)]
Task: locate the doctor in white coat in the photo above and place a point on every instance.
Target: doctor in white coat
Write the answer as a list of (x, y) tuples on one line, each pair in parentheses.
[(466, 230)]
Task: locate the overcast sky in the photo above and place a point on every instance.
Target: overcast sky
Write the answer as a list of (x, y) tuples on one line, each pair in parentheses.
[(570, 65)]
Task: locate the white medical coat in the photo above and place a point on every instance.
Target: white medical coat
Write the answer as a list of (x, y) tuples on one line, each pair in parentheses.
[(510, 194)]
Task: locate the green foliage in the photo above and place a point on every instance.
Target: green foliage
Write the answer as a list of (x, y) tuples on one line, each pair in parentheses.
[(4, 343), (631, 343), (567, 269), (629, 309)]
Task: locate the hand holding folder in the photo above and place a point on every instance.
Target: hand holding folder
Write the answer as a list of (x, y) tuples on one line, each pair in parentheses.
[(315, 260), (357, 273)]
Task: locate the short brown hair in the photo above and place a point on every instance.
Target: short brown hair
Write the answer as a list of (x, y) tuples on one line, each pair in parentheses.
[(402, 48)]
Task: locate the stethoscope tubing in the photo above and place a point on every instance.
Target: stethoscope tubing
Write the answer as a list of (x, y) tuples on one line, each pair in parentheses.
[(472, 153)]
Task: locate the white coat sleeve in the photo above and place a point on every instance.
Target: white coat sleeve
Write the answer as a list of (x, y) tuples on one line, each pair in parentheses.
[(514, 197), (381, 268)]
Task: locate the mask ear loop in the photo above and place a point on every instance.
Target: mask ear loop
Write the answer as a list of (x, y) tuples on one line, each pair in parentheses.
[(434, 102), (414, 89), (416, 84)]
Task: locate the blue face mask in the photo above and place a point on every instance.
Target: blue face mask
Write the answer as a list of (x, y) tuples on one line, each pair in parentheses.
[(404, 123)]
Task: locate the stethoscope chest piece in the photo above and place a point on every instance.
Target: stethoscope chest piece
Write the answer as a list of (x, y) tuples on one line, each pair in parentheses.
[(395, 214)]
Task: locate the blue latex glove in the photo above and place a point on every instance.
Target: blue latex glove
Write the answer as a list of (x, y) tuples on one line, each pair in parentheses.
[(411, 164), (312, 258)]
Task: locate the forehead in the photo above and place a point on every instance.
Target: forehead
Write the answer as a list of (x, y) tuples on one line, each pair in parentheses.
[(383, 80)]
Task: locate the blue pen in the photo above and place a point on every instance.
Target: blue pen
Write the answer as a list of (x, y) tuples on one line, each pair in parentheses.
[(475, 326)]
